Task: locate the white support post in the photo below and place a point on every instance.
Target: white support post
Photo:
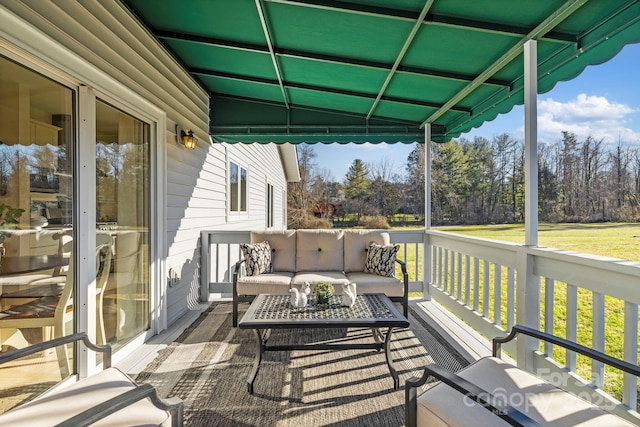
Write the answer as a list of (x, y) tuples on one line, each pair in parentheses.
[(427, 252), (531, 142), (528, 309), (527, 283)]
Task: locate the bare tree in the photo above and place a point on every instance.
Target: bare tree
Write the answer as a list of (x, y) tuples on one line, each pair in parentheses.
[(299, 197)]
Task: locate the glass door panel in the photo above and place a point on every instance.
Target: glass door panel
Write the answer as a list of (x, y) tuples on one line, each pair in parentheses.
[(36, 224), (122, 219)]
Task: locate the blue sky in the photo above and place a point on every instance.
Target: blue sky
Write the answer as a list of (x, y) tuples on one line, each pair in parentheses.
[(603, 102)]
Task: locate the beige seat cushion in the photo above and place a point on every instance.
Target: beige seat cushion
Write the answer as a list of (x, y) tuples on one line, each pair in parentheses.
[(355, 244), (283, 246), (319, 250), (541, 401), (367, 283), (69, 401), (336, 278), (266, 283)]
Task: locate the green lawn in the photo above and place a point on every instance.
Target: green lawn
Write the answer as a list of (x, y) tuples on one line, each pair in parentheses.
[(617, 240)]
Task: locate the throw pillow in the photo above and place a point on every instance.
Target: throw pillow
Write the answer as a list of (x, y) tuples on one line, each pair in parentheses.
[(381, 259), (257, 256)]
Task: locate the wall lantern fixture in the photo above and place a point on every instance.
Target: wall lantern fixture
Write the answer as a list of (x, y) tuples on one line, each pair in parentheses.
[(186, 138)]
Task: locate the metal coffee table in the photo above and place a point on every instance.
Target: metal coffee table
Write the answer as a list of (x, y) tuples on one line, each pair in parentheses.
[(375, 311)]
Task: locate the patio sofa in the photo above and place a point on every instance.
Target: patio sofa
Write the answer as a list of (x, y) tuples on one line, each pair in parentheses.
[(364, 257), (492, 392), (108, 398)]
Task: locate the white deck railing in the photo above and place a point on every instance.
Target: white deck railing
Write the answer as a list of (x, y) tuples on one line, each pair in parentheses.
[(493, 285)]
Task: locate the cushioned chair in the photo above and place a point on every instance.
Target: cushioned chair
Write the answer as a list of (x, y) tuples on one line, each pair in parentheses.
[(53, 313), (492, 392), (108, 398), (124, 280)]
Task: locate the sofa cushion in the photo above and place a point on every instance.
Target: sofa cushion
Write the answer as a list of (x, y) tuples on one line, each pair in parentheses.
[(336, 278), (319, 250), (381, 259), (63, 403), (356, 243), (283, 248), (540, 400), (257, 256), (267, 283), (367, 283)]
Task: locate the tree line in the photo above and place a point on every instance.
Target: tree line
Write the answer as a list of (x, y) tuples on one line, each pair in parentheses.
[(479, 181)]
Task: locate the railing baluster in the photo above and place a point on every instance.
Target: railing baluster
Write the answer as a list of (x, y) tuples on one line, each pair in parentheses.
[(212, 273), (549, 296), (441, 267), (485, 296), (452, 273), (459, 276), (497, 294), (415, 264), (228, 269), (630, 382), (572, 323), (446, 271), (476, 284), (511, 298), (597, 338), (467, 280)]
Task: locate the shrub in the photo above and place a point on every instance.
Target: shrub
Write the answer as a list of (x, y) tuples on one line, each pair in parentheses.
[(315, 223), (375, 222)]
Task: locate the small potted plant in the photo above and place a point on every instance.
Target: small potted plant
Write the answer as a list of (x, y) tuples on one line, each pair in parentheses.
[(323, 292)]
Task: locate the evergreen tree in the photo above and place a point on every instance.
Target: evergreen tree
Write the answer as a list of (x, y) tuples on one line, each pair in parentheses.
[(357, 186), (415, 180)]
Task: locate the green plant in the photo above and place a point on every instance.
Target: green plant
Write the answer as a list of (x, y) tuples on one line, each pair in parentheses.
[(323, 291), (9, 215), (8, 219)]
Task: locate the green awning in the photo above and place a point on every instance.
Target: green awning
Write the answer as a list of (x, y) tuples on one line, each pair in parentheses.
[(378, 71)]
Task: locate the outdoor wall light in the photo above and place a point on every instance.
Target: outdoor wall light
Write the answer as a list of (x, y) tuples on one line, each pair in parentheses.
[(186, 138)]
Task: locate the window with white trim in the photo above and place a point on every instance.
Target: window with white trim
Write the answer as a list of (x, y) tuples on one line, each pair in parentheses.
[(237, 188), (269, 205)]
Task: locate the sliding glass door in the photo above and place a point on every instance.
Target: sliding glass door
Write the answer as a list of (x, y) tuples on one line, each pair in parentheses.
[(37, 139), (122, 218)]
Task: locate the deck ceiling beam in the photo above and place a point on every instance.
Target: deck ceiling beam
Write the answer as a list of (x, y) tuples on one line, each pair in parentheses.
[(429, 19), (297, 54), (272, 82), (267, 36), (401, 55)]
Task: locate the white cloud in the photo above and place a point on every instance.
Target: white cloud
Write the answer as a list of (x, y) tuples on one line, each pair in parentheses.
[(587, 116)]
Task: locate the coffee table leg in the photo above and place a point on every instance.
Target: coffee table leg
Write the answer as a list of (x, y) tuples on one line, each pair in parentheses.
[(256, 361), (377, 336), (392, 369)]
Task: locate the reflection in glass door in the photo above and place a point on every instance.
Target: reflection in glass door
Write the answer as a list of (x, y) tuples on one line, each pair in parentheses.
[(36, 225), (122, 220)]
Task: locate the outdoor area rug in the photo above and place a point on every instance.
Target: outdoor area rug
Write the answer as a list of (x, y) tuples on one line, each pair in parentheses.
[(207, 367)]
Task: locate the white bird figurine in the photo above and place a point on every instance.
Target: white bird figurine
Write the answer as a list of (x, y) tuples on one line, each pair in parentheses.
[(306, 288), (348, 294), (295, 297)]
